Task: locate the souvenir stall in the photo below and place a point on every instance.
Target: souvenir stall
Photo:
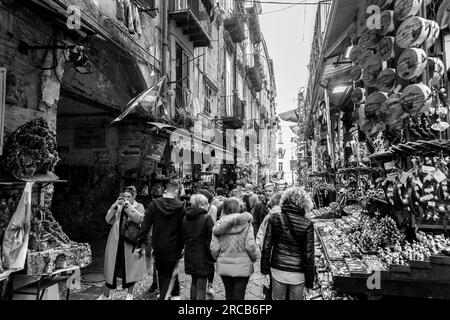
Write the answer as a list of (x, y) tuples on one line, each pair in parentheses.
[(37, 256), (394, 239)]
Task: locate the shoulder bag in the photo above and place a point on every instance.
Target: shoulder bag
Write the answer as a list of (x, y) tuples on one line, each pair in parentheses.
[(130, 231)]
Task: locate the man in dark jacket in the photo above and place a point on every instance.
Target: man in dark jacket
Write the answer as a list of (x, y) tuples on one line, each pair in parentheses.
[(260, 210), (197, 232), (288, 248), (166, 216)]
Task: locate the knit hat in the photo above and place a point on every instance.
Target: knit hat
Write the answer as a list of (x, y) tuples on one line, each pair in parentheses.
[(207, 194)]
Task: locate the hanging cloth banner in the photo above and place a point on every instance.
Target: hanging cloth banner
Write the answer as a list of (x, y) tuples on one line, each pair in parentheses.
[(148, 101), (15, 241)]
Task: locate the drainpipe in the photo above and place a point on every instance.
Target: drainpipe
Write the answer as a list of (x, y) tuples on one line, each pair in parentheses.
[(165, 46)]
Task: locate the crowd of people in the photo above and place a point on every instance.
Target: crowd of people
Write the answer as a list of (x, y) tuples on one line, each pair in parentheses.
[(213, 234)]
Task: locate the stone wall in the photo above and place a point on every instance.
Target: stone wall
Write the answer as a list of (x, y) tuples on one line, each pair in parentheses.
[(30, 91)]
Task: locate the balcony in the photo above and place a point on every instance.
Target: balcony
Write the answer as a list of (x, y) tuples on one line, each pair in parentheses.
[(254, 26), (235, 112), (254, 72), (235, 27), (186, 14)]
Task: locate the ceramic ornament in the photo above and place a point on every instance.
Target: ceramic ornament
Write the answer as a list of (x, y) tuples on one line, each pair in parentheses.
[(412, 32), (411, 63), (387, 80), (416, 98)]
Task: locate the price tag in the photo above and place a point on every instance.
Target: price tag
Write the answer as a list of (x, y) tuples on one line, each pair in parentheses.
[(391, 177), (404, 177), (429, 177), (432, 204), (439, 176), (428, 169), (429, 190), (419, 183), (389, 165)]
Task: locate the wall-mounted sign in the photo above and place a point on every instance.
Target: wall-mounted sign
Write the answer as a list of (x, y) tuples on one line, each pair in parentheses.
[(89, 138), (130, 152), (101, 157), (156, 149)]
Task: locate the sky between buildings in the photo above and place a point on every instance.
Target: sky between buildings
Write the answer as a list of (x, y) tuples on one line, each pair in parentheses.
[(288, 34)]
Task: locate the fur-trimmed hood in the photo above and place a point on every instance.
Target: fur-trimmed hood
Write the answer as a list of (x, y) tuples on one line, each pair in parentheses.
[(232, 223)]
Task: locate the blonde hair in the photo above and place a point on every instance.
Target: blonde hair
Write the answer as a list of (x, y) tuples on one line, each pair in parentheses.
[(198, 200), (299, 197)]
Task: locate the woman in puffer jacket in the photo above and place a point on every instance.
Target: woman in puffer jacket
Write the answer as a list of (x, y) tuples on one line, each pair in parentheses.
[(233, 247), (288, 247)]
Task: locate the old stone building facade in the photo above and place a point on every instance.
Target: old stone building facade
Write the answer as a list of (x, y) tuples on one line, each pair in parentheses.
[(77, 63)]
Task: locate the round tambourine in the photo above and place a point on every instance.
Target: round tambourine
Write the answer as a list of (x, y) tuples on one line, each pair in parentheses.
[(369, 39), (374, 104), (372, 69), (386, 23), (387, 80), (395, 112), (405, 9), (412, 32), (359, 95), (386, 48), (356, 52), (356, 72), (411, 63), (416, 98)]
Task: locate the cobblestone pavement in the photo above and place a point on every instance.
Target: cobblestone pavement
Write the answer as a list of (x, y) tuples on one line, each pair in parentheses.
[(91, 291)]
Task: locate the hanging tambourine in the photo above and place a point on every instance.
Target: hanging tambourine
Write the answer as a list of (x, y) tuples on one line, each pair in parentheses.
[(416, 98), (359, 95), (433, 32), (386, 23), (362, 59), (405, 9), (443, 15), (374, 103), (387, 80), (386, 48), (412, 32), (369, 39), (356, 52), (372, 69), (411, 63), (395, 111), (356, 72)]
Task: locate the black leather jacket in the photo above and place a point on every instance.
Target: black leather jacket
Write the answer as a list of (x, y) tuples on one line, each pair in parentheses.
[(282, 251)]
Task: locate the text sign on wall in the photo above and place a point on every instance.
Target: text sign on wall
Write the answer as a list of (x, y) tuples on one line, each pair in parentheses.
[(101, 157), (156, 149)]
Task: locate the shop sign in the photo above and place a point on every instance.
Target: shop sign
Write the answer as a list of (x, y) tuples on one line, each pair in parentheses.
[(101, 157), (131, 152), (89, 138), (156, 149)]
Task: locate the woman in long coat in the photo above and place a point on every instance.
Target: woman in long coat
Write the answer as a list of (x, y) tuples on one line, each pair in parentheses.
[(120, 260)]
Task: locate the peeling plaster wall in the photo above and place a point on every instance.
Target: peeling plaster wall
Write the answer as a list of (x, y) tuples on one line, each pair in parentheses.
[(30, 92)]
